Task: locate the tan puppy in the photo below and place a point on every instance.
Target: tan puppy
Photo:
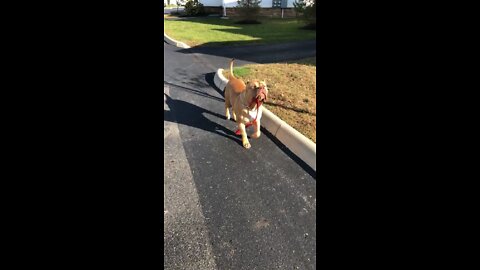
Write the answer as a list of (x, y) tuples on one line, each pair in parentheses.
[(245, 100)]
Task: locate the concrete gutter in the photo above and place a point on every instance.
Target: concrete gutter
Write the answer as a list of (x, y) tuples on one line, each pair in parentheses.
[(300, 145), (174, 42)]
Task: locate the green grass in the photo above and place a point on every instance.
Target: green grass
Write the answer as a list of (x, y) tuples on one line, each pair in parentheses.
[(241, 71), (218, 32)]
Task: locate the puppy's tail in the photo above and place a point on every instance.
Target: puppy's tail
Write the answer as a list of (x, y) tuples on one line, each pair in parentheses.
[(231, 69)]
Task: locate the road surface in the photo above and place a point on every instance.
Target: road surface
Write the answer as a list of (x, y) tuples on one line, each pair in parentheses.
[(172, 9), (226, 207)]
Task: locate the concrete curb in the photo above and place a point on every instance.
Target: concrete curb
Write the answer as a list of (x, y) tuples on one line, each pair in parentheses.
[(174, 42), (300, 145)]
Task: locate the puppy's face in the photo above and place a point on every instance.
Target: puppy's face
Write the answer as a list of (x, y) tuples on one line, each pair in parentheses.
[(259, 91)]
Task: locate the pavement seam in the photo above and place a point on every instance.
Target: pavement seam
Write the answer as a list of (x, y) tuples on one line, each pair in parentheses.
[(300, 145)]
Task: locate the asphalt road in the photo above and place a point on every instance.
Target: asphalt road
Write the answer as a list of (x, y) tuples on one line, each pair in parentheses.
[(170, 10), (226, 207), (258, 54)]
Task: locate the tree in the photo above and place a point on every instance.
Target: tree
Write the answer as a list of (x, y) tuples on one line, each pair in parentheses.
[(299, 6), (179, 3), (248, 10), (194, 8), (308, 10)]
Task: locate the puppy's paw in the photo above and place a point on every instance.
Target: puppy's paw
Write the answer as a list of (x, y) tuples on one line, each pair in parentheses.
[(227, 114), (256, 135), (246, 145)]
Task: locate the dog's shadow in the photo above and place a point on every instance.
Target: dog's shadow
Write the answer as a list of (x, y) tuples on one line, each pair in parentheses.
[(188, 114)]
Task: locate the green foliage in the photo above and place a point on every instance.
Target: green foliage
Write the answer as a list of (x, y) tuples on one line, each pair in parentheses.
[(249, 10), (308, 10), (241, 71), (299, 7), (194, 8)]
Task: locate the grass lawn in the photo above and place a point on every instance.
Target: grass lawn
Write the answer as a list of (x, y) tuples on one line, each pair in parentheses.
[(292, 91), (208, 31)]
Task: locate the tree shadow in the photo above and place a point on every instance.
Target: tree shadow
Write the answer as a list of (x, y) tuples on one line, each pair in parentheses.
[(291, 108), (309, 62), (188, 114), (255, 51), (262, 31), (194, 91)]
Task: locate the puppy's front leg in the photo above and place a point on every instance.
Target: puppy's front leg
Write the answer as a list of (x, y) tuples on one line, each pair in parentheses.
[(256, 129), (245, 142), (227, 113)]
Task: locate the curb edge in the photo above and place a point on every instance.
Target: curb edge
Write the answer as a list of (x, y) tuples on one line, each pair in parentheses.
[(174, 42)]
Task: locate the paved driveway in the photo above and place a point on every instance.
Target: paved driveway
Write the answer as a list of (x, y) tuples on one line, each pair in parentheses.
[(170, 10), (226, 207)]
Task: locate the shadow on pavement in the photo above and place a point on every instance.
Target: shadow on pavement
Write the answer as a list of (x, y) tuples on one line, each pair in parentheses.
[(287, 47), (194, 91), (209, 79), (263, 54), (289, 153), (188, 114)]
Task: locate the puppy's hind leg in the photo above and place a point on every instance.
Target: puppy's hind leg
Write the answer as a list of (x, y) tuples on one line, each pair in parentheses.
[(227, 105)]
